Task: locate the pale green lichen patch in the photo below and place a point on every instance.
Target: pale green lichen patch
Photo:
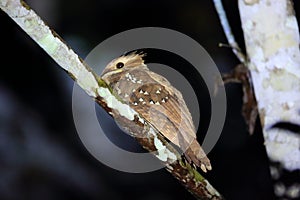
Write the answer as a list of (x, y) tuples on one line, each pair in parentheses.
[(113, 103), (270, 35), (251, 2), (273, 42), (162, 152), (101, 82), (49, 42), (282, 80), (197, 176), (87, 80), (33, 25)]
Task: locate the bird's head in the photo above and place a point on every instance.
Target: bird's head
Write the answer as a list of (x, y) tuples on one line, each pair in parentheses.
[(118, 66)]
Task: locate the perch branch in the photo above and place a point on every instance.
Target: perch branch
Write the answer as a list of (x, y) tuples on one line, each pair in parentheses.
[(95, 87)]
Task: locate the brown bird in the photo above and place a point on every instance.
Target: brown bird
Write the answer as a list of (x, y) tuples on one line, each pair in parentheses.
[(157, 101)]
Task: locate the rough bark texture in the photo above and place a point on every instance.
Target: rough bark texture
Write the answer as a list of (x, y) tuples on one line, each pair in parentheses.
[(97, 88), (272, 42)]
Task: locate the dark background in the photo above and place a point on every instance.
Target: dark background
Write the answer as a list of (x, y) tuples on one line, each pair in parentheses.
[(41, 155)]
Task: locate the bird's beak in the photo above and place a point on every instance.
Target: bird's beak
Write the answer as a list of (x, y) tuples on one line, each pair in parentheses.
[(109, 72), (106, 70)]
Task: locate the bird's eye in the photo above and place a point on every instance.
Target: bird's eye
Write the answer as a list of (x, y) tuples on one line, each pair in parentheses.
[(120, 65)]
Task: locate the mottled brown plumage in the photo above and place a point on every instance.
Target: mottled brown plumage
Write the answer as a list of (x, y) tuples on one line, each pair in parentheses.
[(157, 101)]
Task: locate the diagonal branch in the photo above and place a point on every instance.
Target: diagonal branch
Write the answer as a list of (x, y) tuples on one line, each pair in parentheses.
[(227, 30), (96, 88)]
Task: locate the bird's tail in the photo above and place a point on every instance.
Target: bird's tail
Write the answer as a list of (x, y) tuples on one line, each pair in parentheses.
[(195, 154)]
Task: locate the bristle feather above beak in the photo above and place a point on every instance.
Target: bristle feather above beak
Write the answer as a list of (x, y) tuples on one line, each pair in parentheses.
[(133, 58)]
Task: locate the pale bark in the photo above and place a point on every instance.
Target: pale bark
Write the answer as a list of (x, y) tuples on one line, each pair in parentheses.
[(273, 59), (272, 42)]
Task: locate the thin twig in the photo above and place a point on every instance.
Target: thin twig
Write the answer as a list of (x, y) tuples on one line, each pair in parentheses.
[(95, 87), (227, 30)]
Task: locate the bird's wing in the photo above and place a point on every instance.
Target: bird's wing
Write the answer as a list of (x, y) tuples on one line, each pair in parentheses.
[(165, 111), (163, 106), (178, 96)]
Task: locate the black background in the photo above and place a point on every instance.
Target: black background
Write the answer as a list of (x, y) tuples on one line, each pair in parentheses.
[(41, 155)]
